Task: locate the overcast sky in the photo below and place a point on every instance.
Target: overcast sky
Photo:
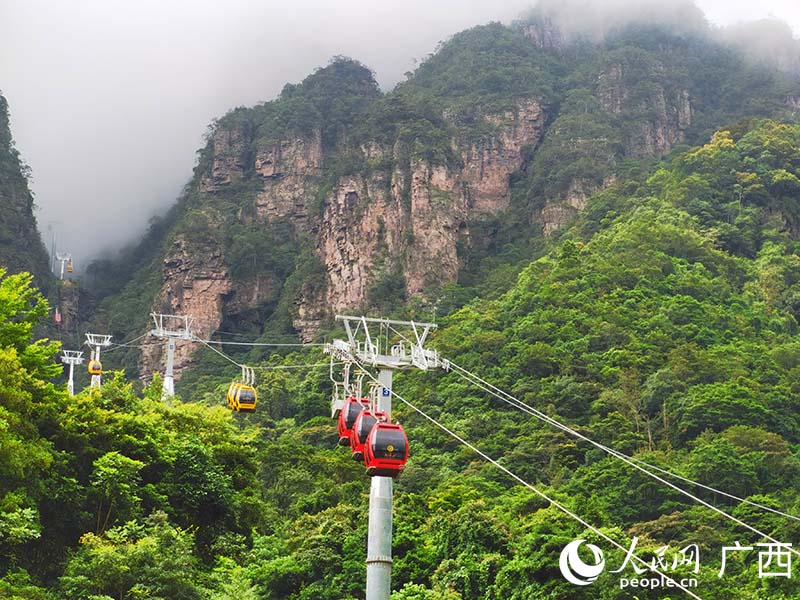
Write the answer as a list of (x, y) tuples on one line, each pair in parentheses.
[(109, 99)]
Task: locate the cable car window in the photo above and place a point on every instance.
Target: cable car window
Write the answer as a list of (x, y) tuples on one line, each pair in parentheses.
[(385, 439), (352, 410), (247, 397), (366, 425)]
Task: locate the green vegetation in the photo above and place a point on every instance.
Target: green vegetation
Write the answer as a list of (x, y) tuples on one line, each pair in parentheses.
[(21, 246), (487, 68)]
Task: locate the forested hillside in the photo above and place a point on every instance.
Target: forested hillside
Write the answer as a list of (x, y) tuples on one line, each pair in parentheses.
[(662, 324), (21, 246)]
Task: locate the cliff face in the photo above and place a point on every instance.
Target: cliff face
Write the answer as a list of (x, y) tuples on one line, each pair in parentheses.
[(288, 171), (545, 35), (661, 117), (21, 247), (406, 221), (380, 198), (411, 220), (196, 282)]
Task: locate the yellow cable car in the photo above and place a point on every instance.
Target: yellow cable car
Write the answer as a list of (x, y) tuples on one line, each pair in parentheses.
[(242, 396), (245, 398), (95, 367), (70, 268)]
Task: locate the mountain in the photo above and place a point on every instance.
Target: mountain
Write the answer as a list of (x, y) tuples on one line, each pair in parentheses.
[(336, 197), (607, 223), (21, 247)]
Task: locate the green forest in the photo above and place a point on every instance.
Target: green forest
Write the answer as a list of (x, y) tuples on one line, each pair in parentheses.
[(662, 324)]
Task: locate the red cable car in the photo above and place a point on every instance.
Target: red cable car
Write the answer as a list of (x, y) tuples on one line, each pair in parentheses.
[(347, 417), (363, 425), (386, 450)]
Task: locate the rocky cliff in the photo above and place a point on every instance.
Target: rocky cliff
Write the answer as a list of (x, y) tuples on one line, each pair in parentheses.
[(406, 221)]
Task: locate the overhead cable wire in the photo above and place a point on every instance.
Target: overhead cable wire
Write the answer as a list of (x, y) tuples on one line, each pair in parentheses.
[(129, 342), (263, 368), (222, 343), (534, 489), (616, 453), (530, 410), (119, 346), (711, 489), (222, 354), (221, 332), (306, 366), (508, 398)]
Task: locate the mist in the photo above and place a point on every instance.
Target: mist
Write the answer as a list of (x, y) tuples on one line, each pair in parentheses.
[(758, 33), (594, 20), (110, 99)]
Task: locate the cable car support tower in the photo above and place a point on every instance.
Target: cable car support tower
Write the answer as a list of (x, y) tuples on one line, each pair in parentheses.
[(66, 261), (172, 327), (369, 344), (71, 358), (96, 341)]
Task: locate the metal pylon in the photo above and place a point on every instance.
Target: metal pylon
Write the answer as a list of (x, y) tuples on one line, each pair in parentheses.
[(95, 341), (386, 345), (64, 259), (71, 358), (172, 327)]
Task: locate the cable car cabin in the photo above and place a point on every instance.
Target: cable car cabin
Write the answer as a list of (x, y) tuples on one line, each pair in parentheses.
[(361, 428), (386, 450), (229, 397), (245, 398), (95, 367), (70, 268), (347, 417)]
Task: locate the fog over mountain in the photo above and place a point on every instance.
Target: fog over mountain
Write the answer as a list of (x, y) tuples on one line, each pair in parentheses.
[(109, 100)]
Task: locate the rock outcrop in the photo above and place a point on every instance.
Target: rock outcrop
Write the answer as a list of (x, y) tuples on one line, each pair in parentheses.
[(545, 35), (662, 118), (67, 301), (195, 282), (409, 223), (556, 215), (406, 222), (289, 171), (231, 149)]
